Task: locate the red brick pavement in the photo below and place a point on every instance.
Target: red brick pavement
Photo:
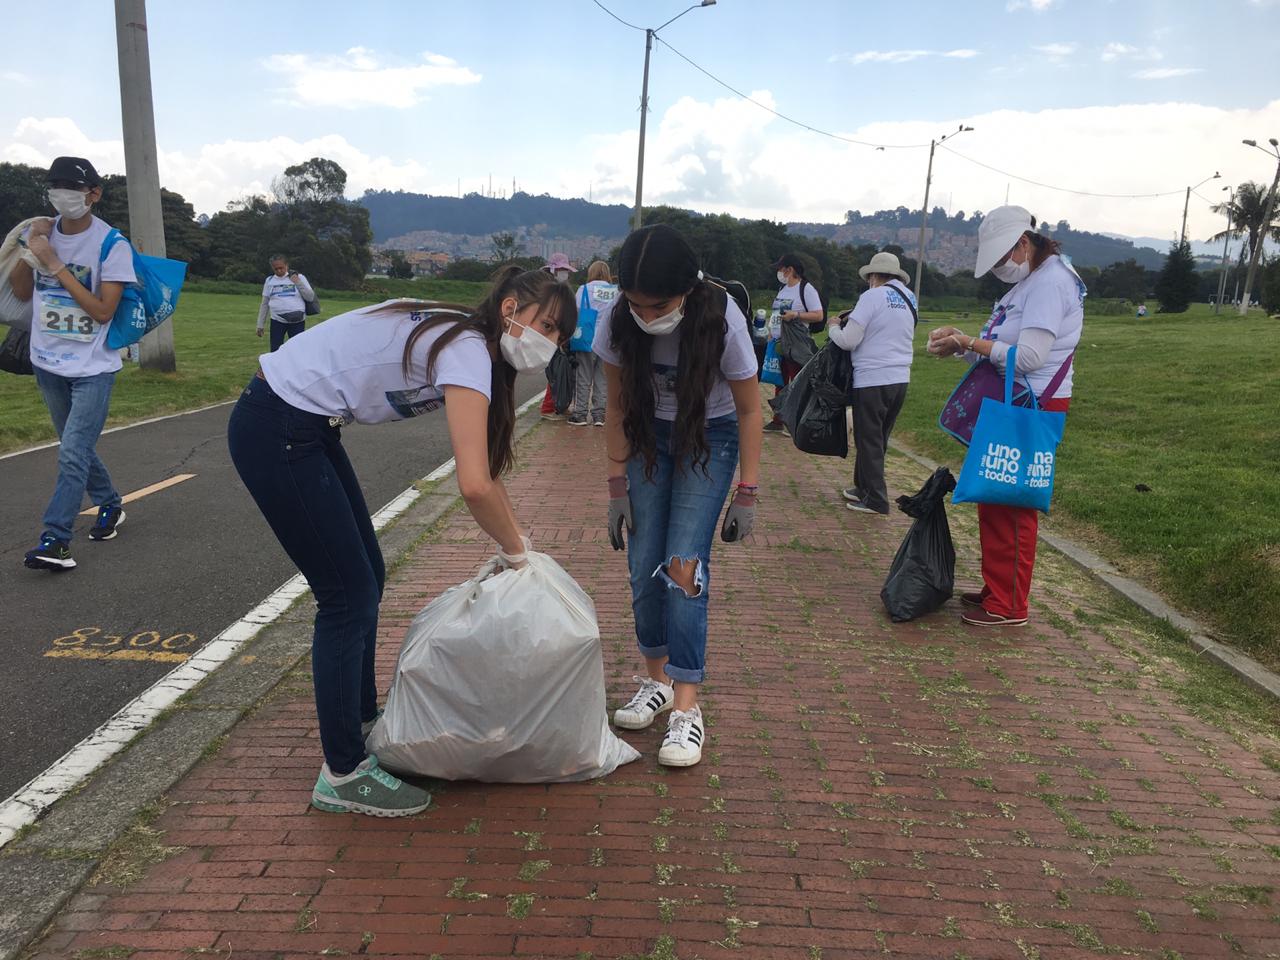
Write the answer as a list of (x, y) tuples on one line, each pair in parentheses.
[(922, 790)]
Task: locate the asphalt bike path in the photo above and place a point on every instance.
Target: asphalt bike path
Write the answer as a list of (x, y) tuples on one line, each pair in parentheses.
[(190, 558)]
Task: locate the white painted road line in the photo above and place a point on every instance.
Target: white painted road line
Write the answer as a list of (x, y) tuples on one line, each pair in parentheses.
[(126, 426), (145, 491), (27, 803)]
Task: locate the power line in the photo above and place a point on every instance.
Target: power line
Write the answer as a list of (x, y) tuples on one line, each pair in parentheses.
[(783, 116), (1050, 186), (616, 17)]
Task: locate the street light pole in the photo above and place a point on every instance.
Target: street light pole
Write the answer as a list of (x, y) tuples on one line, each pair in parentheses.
[(1226, 241), (649, 34), (1182, 237), (1266, 223), (924, 213), (142, 174)]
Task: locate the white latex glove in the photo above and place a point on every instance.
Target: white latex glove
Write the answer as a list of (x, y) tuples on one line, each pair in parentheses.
[(517, 561)]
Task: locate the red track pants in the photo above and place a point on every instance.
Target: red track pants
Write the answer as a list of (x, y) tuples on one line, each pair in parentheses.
[(548, 404), (1008, 536)]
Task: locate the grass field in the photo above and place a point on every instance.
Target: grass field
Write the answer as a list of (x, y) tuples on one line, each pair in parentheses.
[(1186, 405)]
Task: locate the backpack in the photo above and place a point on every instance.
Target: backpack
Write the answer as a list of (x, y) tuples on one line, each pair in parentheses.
[(736, 289), (147, 302), (817, 325)]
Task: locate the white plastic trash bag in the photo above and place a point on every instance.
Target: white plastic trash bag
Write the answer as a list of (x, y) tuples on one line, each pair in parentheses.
[(501, 679), (14, 312)]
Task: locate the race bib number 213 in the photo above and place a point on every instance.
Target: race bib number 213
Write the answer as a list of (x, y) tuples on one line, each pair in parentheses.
[(63, 317)]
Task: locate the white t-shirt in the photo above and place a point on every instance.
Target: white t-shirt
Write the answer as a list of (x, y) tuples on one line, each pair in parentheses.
[(600, 297), (283, 295), (884, 354), (737, 363), (64, 339), (351, 365), (788, 299), (1051, 298)]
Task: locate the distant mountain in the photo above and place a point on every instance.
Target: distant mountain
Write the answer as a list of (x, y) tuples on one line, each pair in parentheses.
[(463, 225), (396, 214), (1199, 248)]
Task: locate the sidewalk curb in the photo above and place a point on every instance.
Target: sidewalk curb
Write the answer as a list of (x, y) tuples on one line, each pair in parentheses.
[(1246, 668), (43, 869)]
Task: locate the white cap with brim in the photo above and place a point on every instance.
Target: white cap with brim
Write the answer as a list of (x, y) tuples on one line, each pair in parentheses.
[(999, 231), (886, 263)]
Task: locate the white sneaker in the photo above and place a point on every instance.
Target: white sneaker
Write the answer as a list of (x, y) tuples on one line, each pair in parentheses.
[(682, 746), (651, 699)]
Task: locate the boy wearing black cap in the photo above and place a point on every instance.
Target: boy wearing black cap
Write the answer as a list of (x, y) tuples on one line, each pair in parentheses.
[(73, 296)]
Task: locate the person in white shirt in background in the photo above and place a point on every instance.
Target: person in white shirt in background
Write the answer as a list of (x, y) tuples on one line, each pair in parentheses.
[(878, 335), (283, 296), (74, 294), (391, 361), (589, 385), (797, 304)]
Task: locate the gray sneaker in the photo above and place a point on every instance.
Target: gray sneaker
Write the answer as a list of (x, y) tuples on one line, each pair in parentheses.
[(852, 494), (366, 728), (371, 791)]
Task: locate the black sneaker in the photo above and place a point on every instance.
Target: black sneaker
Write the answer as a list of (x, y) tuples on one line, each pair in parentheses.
[(775, 426), (52, 554), (104, 528)]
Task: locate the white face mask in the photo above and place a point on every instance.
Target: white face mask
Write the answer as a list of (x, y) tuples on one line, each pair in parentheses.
[(664, 324), (70, 203), (528, 352), (1011, 272), (562, 276), (782, 277)]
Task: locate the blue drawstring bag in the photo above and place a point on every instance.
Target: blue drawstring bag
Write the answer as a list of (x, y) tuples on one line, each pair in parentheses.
[(147, 302), (1012, 455), (771, 369), (585, 332)]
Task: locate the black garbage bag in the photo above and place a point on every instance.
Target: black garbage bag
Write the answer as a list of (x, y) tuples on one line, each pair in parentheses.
[(923, 574), (560, 374), (813, 404), (15, 353)]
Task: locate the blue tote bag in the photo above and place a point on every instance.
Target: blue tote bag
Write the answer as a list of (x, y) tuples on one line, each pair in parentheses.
[(585, 332), (771, 369), (1013, 452), (147, 302)]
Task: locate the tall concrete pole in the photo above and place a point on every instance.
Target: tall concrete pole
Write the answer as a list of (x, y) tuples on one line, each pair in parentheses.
[(644, 110), (146, 220), (924, 220)]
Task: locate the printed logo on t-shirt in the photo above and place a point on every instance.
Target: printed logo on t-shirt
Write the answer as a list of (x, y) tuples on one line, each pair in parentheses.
[(998, 317), (60, 315), (666, 379), (415, 402)]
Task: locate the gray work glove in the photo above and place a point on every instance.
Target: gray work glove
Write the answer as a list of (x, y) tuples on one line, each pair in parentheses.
[(619, 512), (740, 518)]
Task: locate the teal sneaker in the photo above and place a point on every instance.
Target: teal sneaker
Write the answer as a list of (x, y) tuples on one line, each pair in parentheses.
[(371, 791)]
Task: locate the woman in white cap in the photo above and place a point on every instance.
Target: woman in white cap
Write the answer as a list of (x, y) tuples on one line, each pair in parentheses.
[(1043, 315), (878, 334)]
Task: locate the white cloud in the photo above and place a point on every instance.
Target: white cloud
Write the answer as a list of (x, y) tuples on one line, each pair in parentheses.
[(1166, 73), (1039, 6), (900, 56), (14, 76), (218, 173), (1056, 51), (358, 79), (728, 156), (1116, 51)]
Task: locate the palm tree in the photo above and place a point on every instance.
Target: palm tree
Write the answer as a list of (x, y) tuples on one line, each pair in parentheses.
[(1247, 210)]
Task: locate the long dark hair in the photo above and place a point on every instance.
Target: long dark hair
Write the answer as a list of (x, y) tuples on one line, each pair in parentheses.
[(657, 262), (527, 286)]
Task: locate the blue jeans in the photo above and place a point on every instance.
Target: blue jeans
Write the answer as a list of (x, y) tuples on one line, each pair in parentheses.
[(299, 476), (78, 408), (676, 515), (281, 331)]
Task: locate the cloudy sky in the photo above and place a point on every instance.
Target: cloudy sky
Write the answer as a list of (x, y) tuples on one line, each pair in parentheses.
[(1098, 96)]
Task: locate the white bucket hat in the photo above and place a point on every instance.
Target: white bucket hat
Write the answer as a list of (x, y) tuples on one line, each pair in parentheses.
[(884, 262), (999, 231)]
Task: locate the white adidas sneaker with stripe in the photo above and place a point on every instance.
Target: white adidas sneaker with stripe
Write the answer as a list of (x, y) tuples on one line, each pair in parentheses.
[(651, 699), (682, 746)]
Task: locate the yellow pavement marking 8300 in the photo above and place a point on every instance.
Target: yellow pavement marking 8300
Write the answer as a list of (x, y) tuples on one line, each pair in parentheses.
[(90, 643), (145, 491)]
